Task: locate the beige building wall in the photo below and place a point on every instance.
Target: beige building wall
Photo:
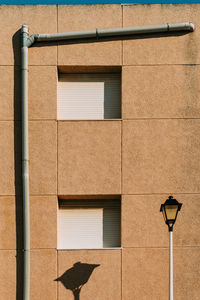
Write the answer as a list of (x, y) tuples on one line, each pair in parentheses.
[(151, 152)]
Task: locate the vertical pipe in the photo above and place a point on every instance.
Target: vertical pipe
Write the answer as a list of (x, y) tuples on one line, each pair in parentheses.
[(25, 162), (171, 265)]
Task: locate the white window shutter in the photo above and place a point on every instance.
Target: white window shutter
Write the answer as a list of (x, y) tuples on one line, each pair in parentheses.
[(81, 100), (80, 228), (89, 96)]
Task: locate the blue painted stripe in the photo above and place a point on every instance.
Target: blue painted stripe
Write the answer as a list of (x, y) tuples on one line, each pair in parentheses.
[(76, 2)]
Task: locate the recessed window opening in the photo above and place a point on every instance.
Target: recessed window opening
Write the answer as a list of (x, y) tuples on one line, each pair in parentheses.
[(89, 223), (84, 96)]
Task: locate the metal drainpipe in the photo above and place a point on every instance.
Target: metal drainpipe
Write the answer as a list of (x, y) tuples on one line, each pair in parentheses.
[(27, 42)]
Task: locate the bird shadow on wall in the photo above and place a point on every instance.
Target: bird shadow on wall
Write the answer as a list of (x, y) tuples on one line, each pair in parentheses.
[(74, 278)]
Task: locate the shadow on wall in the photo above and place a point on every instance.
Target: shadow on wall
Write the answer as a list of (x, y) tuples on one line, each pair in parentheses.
[(18, 165), (74, 278)]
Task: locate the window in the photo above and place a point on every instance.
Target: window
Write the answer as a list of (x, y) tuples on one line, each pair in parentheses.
[(89, 96), (84, 224)]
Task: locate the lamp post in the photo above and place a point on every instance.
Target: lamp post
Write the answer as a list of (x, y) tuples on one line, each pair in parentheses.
[(170, 211)]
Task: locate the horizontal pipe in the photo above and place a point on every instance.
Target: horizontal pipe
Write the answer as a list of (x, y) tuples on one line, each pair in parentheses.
[(187, 26)]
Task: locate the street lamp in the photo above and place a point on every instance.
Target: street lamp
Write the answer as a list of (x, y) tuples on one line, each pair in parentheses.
[(170, 211)]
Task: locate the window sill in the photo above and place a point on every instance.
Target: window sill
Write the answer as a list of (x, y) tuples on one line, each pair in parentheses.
[(113, 248), (82, 120)]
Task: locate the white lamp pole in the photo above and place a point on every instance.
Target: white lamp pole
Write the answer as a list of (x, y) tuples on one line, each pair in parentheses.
[(171, 265), (170, 210)]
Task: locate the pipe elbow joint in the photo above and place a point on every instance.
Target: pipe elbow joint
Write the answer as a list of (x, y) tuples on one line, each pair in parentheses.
[(31, 40)]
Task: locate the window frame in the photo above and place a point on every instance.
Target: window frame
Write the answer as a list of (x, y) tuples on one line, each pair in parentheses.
[(91, 203), (112, 90)]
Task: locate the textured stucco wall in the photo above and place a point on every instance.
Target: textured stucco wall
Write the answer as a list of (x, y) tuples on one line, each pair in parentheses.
[(151, 152)]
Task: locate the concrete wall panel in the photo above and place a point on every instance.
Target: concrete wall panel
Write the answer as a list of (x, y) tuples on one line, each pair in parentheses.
[(7, 158), (161, 92), (43, 274), (37, 17), (144, 274), (143, 225), (105, 280), (89, 156), (42, 92), (8, 223), (7, 93), (186, 273), (43, 154), (8, 274), (188, 223), (161, 156), (84, 17), (43, 211), (177, 49)]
